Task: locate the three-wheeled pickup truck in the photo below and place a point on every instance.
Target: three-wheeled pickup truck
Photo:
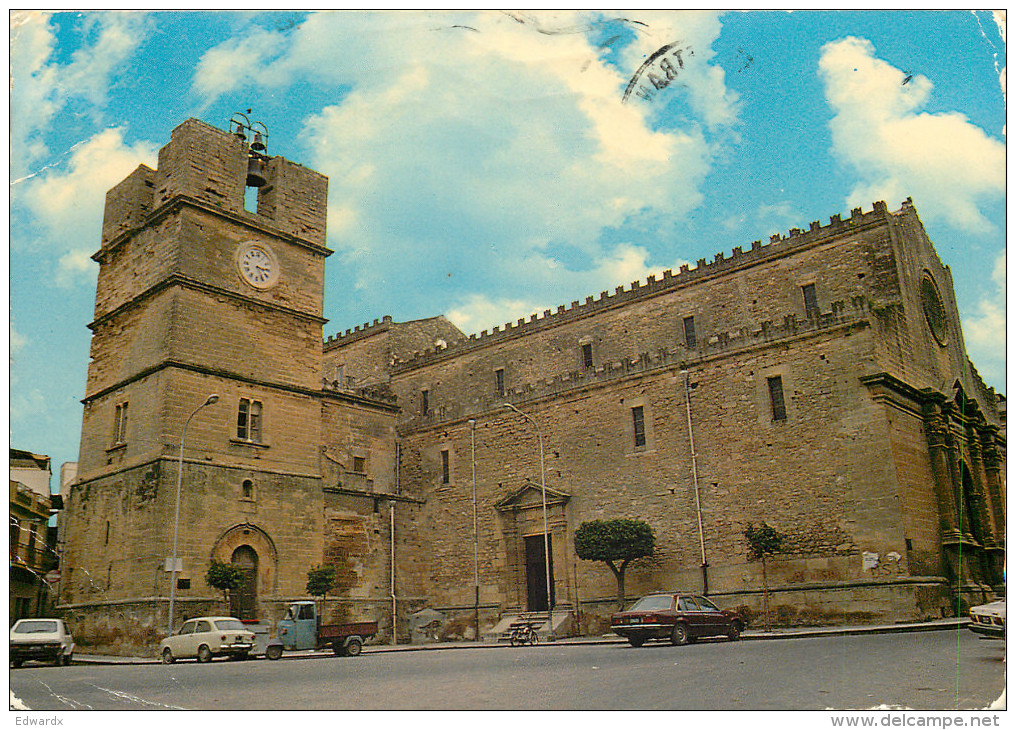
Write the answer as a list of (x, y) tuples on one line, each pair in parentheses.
[(301, 628)]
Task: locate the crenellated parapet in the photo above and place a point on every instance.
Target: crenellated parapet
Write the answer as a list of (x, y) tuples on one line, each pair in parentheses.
[(841, 314), (778, 246), (358, 332)]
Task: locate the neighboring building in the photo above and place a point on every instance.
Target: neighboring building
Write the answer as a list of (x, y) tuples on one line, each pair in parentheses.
[(822, 378), (68, 475), (32, 544)]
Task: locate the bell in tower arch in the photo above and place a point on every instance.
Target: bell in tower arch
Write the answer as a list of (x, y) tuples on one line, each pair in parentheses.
[(256, 171)]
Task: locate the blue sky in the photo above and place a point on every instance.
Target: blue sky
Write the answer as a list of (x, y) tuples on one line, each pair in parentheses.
[(483, 165)]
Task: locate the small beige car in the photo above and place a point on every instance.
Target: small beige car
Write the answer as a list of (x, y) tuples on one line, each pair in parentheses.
[(206, 637), (42, 639)]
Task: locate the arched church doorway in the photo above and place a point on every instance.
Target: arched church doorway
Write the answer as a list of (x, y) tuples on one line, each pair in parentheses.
[(243, 601)]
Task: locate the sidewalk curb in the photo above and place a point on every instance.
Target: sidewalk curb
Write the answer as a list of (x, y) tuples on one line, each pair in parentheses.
[(753, 635)]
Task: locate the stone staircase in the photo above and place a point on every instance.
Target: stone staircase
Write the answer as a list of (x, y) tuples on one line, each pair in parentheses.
[(556, 625)]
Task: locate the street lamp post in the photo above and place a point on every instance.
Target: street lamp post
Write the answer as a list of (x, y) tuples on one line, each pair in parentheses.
[(176, 520), (546, 533)]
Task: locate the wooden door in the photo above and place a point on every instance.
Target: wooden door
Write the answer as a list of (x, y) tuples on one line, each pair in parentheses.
[(536, 574), (243, 601)]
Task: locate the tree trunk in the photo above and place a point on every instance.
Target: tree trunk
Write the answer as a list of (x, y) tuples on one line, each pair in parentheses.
[(765, 594), (619, 575)]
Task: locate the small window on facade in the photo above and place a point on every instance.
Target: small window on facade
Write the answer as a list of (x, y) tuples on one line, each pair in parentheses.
[(107, 532), (183, 583), (776, 398), (810, 300), (446, 475), (689, 331), (499, 380), (587, 355), (248, 420), (639, 426), (30, 557), (425, 402), (359, 464), (15, 538), (247, 489), (120, 424)]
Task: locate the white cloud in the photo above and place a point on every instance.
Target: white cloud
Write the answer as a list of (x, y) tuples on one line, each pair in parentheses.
[(75, 267), (17, 341), (623, 265), (984, 328), (485, 148), (66, 202), (478, 312), (41, 87), (28, 404), (946, 163), (234, 63)]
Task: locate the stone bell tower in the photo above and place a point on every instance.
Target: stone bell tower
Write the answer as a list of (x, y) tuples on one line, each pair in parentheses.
[(197, 296)]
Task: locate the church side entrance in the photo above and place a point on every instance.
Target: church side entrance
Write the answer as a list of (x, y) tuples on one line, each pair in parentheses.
[(243, 601), (536, 573)]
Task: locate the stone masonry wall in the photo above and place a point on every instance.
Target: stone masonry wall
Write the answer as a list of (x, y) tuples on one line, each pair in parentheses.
[(351, 432), (364, 355), (810, 477), (727, 308), (127, 560), (832, 475)]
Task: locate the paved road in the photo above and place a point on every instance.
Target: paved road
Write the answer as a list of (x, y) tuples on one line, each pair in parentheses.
[(931, 670)]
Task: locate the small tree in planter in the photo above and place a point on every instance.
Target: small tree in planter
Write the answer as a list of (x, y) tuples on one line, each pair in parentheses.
[(224, 577), (615, 542), (320, 580), (764, 541)]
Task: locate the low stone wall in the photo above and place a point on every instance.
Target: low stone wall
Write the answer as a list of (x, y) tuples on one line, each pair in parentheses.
[(816, 604)]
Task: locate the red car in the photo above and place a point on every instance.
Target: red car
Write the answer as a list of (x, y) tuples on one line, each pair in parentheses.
[(680, 617)]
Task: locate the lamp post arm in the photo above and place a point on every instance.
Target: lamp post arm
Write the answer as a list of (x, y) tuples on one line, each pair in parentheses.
[(176, 519)]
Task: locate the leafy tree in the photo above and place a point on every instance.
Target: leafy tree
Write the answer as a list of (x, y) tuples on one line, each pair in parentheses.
[(320, 580), (764, 541), (224, 577), (615, 542)]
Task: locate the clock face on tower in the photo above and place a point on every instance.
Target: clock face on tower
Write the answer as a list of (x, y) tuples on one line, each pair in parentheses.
[(257, 265)]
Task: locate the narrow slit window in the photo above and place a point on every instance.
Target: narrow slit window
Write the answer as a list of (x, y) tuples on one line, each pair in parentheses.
[(499, 380), (446, 475), (810, 299), (425, 402), (120, 424), (587, 355), (638, 418), (689, 332), (776, 401)]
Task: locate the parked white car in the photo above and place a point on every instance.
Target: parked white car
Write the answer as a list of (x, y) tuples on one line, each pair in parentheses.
[(45, 639), (988, 619), (206, 637)]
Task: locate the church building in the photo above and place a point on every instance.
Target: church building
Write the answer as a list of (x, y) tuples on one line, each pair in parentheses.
[(817, 382)]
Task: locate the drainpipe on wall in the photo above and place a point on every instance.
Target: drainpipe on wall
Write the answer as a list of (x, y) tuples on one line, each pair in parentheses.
[(698, 499), (395, 608), (476, 536), (398, 490)]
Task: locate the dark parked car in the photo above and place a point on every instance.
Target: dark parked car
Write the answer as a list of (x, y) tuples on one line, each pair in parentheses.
[(680, 617)]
